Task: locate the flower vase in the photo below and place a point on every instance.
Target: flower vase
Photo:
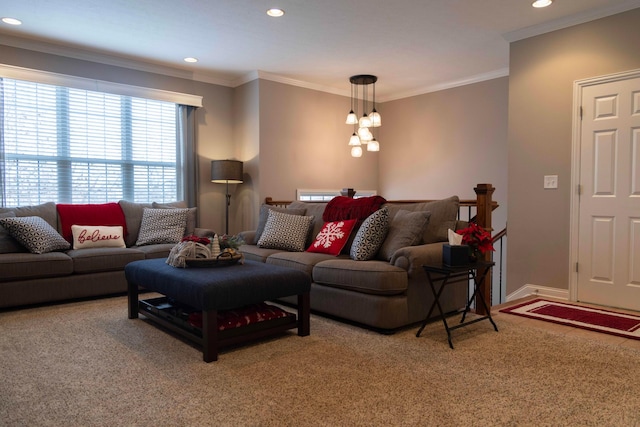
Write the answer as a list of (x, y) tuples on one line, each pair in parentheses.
[(474, 254)]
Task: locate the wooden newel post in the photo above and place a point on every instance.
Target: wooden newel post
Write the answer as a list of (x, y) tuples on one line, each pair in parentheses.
[(484, 194)]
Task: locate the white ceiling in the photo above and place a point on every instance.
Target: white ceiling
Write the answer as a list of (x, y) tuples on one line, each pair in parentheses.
[(413, 46)]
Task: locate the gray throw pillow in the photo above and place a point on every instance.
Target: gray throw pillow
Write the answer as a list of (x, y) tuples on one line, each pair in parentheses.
[(162, 226), (191, 216), (370, 235), (444, 214), (264, 215), (35, 234), (405, 229), (285, 231)]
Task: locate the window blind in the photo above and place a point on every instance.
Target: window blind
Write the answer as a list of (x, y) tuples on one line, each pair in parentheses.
[(71, 145)]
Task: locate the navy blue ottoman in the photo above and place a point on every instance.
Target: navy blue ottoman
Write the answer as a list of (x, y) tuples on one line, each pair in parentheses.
[(220, 288)]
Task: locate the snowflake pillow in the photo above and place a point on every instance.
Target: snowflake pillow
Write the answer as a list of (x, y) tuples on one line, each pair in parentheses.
[(333, 236)]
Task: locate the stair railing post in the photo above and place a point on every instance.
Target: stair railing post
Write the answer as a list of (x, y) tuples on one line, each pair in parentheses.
[(484, 197)]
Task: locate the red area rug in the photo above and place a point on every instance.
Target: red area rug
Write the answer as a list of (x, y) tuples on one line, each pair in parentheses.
[(594, 319)]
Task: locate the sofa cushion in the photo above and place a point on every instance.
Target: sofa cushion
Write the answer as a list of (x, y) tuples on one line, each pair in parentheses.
[(286, 232), (160, 250), (25, 266), (370, 235), (315, 210), (162, 226), (107, 214), (256, 253), (93, 260), (191, 215), (405, 229), (303, 261), (264, 215), (370, 277), (46, 211), (333, 237), (7, 243), (133, 217), (443, 216), (35, 234), (96, 236)]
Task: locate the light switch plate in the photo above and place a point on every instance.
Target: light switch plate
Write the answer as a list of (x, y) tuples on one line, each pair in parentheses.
[(551, 181)]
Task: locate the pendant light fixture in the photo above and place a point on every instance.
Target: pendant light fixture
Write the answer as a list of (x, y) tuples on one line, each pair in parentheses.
[(370, 118)]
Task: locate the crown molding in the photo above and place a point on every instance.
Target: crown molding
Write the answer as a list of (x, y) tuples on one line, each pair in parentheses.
[(103, 58), (264, 75), (502, 72), (580, 18)]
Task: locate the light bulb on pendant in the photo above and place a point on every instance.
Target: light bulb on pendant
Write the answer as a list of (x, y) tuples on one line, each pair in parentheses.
[(376, 120), (373, 145), (365, 122), (352, 119), (354, 140), (365, 135), (356, 151)]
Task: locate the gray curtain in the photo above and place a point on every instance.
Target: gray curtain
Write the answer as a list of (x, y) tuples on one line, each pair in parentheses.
[(187, 156), (3, 194)]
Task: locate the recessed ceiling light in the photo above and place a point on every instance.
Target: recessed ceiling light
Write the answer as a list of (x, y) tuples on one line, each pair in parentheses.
[(275, 12), (541, 3), (190, 59), (12, 21)]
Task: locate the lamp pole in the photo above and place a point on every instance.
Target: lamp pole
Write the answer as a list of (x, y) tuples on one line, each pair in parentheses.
[(226, 172), (226, 216)]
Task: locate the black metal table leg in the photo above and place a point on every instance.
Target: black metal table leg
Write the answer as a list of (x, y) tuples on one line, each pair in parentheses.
[(453, 274), (435, 303)]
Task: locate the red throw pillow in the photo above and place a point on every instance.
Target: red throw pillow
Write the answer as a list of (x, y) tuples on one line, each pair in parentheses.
[(109, 214), (333, 236)]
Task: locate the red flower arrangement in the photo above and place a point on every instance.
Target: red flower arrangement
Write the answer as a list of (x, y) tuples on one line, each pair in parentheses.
[(477, 237)]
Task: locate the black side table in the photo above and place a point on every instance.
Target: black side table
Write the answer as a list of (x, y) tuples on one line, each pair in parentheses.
[(445, 275)]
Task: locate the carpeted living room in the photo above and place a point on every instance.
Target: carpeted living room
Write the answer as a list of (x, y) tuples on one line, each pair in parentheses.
[(222, 125), (85, 363)]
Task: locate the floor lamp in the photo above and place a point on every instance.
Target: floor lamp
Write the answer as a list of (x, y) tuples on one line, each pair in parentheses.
[(226, 172)]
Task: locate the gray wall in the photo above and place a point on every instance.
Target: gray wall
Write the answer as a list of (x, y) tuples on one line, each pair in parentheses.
[(541, 74), (303, 143), (444, 143)]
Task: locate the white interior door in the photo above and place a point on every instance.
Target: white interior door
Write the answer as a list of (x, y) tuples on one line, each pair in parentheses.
[(609, 211)]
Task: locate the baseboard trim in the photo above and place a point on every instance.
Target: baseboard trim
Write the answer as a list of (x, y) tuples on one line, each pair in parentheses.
[(541, 291)]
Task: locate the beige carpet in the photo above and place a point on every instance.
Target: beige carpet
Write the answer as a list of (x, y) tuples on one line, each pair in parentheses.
[(86, 364)]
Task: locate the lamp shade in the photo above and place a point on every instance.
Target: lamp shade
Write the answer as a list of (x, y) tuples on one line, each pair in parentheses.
[(226, 171)]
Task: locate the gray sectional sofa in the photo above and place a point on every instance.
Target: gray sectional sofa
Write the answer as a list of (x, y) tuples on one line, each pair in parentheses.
[(387, 292), (31, 278)]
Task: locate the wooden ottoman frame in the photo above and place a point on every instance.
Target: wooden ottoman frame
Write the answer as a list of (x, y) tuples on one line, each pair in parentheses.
[(213, 289)]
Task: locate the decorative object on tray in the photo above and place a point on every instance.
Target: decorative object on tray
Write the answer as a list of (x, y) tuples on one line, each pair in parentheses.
[(224, 259), (194, 251), (230, 242)]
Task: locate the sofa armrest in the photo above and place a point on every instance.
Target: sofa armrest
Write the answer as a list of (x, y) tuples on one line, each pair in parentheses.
[(248, 236), (412, 258)]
